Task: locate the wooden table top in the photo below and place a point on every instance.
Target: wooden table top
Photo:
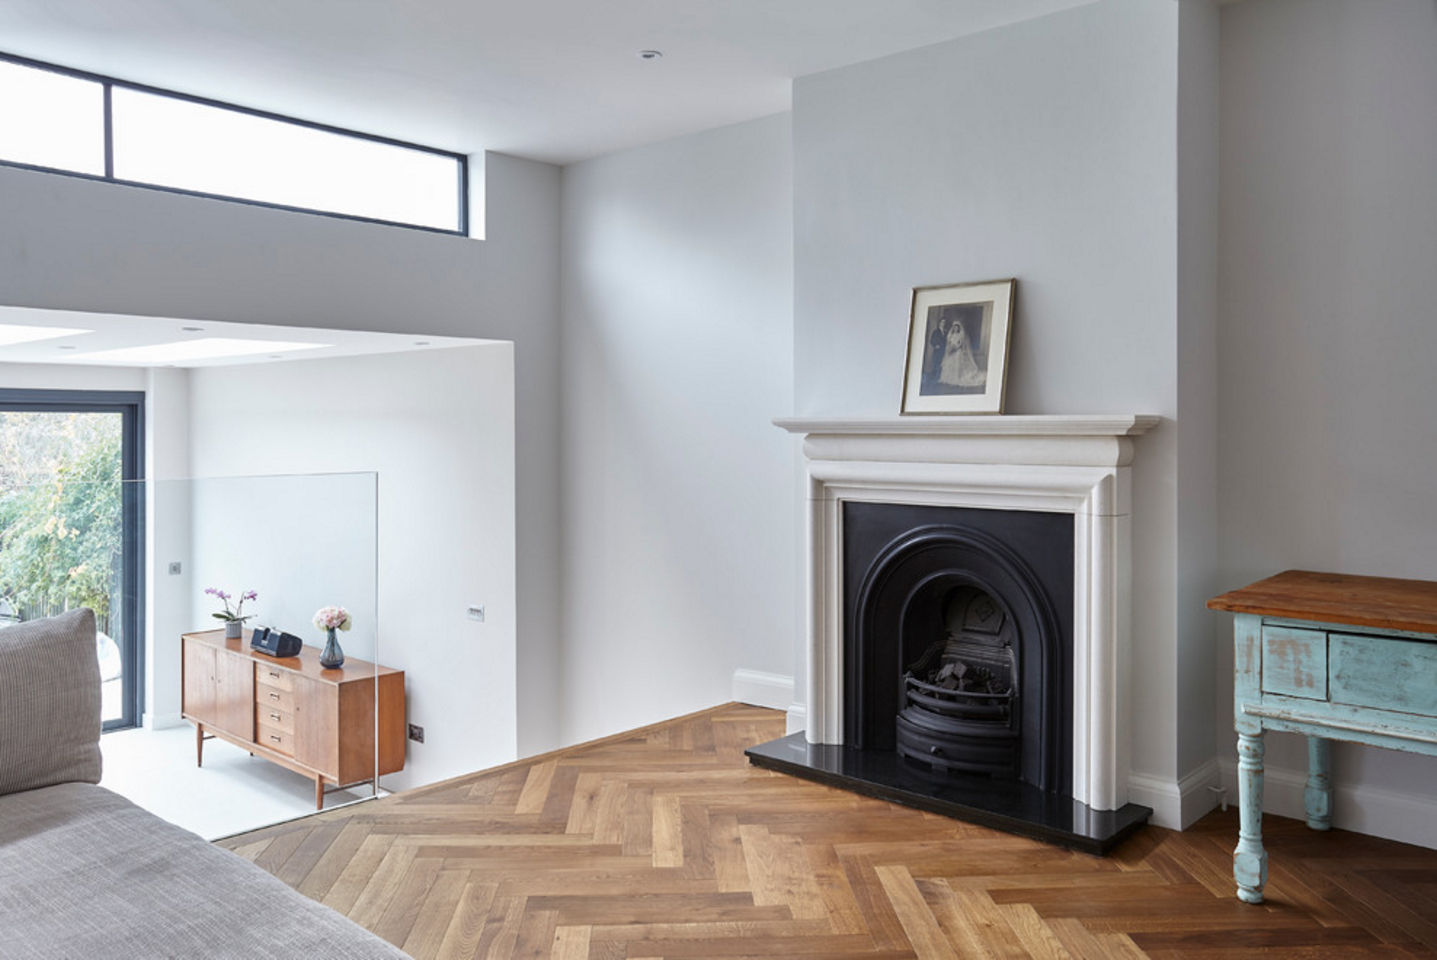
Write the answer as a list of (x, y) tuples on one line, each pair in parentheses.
[(307, 663), (1381, 602)]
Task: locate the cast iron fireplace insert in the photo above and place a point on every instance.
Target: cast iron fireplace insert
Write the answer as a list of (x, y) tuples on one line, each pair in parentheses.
[(957, 672)]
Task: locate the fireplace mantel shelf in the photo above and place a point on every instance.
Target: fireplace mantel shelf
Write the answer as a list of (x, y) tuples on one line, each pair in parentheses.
[(1014, 425)]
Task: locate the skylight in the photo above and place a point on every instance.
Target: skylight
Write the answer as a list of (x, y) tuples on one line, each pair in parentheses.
[(15, 333), (190, 351)]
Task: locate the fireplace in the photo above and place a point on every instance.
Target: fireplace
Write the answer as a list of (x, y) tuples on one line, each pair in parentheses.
[(958, 637), (968, 620)]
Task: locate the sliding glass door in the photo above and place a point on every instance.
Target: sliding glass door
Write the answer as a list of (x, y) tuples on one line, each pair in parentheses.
[(71, 530)]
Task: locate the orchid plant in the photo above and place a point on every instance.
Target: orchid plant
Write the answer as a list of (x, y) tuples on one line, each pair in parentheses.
[(332, 618), (235, 614)]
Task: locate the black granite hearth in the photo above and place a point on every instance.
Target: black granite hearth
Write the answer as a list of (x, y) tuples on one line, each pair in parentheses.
[(1001, 804)]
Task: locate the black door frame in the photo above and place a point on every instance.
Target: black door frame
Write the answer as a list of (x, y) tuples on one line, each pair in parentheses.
[(130, 404)]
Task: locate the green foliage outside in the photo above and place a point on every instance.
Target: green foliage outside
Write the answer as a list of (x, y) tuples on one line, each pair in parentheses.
[(60, 517)]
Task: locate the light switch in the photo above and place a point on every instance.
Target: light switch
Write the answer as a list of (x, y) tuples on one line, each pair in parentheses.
[(476, 612)]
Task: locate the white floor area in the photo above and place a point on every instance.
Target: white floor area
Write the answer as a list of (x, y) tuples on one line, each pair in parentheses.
[(233, 792)]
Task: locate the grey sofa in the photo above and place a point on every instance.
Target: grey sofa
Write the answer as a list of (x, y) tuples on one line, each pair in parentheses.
[(87, 875)]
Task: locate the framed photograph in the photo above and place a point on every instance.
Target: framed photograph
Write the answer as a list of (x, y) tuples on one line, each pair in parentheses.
[(958, 348)]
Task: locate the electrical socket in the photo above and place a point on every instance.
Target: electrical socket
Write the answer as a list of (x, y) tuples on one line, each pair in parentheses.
[(174, 568), (476, 612), (416, 733)]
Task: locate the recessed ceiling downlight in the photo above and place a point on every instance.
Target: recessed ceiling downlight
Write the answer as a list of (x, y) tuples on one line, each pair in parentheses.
[(191, 351), (650, 54), (15, 333)]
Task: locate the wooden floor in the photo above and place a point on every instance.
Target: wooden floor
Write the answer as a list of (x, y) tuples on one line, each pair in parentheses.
[(665, 843)]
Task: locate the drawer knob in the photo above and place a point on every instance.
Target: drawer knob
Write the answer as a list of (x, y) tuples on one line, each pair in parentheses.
[(274, 696), (274, 738), (274, 716)]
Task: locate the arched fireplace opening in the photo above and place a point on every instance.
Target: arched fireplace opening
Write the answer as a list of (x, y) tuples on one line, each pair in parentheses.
[(958, 640)]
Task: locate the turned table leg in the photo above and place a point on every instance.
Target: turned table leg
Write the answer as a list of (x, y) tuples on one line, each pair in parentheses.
[(1318, 795), (1249, 859), (199, 744)]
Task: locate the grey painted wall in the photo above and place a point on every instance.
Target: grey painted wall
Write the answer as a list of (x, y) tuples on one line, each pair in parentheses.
[(80, 245), (1046, 150), (1328, 247), (1196, 545), (679, 507)]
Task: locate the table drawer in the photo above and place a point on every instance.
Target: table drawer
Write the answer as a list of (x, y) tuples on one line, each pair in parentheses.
[(1388, 674), (276, 677), (1294, 662), (274, 717), (267, 696), (280, 741)]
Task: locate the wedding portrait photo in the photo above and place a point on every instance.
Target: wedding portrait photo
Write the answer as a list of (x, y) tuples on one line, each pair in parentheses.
[(958, 348)]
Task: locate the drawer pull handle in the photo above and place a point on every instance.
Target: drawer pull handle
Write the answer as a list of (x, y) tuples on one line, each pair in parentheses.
[(274, 716), (274, 696), (274, 738), (273, 675)]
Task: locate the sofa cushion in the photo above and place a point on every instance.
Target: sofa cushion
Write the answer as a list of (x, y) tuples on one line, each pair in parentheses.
[(87, 875), (49, 703)]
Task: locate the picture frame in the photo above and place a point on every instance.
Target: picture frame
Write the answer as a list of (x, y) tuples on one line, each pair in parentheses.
[(958, 337)]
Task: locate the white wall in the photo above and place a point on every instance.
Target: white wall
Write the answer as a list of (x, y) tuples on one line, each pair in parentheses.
[(169, 598), (44, 376), (438, 429), (1046, 150), (81, 245), (1329, 237), (679, 507)]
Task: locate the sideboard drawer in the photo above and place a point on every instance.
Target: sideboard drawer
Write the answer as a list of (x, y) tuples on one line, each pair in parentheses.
[(277, 740), (272, 676), (1389, 674), (275, 717), (1294, 662), (267, 696)]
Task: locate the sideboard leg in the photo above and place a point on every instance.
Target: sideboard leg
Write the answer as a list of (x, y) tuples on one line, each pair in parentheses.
[(1318, 795), (1249, 859), (199, 744), (319, 793)]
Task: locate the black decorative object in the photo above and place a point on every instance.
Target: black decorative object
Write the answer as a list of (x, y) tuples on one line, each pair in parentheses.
[(275, 643)]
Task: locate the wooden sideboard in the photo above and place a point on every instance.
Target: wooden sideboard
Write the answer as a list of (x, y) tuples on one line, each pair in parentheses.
[(331, 725), (1334, 657)]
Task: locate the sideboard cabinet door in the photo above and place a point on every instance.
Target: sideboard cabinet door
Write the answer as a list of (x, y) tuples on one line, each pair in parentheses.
[(234, 695), (198, 691)]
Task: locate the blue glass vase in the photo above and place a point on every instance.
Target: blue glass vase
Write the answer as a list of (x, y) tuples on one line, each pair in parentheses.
[(331, 656)]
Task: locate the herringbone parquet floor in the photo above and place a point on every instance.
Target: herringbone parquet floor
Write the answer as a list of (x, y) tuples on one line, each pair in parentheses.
[(664, 842)]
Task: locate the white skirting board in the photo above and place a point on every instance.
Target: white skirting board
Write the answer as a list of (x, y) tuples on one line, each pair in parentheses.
[(1177, 804), (797, 719), (761, 689), (1405, 817), (162, 721)]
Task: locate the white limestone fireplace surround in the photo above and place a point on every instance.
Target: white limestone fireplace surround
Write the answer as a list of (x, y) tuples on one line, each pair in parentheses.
[(1078, 465)]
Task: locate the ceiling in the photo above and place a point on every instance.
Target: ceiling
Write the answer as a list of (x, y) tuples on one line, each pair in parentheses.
[(555, 80), (93, 338)]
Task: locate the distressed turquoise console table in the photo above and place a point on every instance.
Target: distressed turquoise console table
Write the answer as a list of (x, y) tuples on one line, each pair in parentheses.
[(1334, 657)]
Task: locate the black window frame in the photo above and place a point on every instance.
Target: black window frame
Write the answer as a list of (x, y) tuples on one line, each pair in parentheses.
[(108, 84), (130, 404)]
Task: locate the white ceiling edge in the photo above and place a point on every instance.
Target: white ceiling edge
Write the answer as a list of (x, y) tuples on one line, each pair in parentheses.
[(111, 331)]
